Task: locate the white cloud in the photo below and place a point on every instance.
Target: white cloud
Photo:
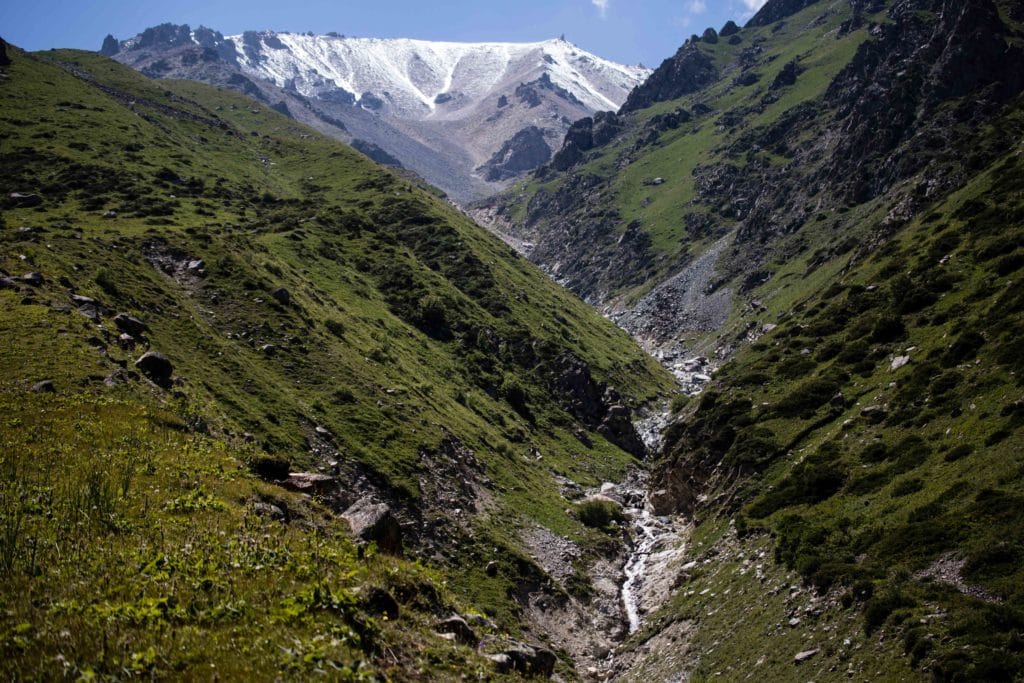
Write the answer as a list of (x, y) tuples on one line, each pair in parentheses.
[(754, 5), (698, 6), (602, 7)]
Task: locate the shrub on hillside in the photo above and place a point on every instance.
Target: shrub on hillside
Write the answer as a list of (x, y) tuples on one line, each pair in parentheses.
[(598, 514), (805, 400)]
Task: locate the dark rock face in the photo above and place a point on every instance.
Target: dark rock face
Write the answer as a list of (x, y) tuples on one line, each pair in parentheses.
[(24, 200), (379, 601), (974, 52), (526, 660), (777, 10), (596, 405), (282, 108), (282, 296), (339, 96), (376, 153), (710, 36), (618, 428), (787, 76), (44, 387), (165, 35), (130, 325), (110, 46), (747, 78), (669, 121), (894, 84), (156, 366), (525, 151), (371, 101), (457, 626), (271, 468), (529, 93), (689, 70), (5, 60), (374, 522), (730, 29), (585, 135)]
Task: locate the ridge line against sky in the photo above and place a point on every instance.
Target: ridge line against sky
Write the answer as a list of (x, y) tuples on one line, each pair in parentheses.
[(625, 31)]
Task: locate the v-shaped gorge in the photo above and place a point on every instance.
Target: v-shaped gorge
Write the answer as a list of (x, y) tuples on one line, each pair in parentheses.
[(813, 222)]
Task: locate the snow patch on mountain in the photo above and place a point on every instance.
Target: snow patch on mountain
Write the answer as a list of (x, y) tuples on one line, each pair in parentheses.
[(423, 79)]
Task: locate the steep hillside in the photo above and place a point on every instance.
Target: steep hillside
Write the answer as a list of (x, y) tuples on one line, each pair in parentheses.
[(827, 204), (225, 332), (452, 112), (761, 145)]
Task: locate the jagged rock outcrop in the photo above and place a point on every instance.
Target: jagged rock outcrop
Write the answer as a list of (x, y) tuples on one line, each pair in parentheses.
[(525, 151), (730, 29), (111, 46), (5, 60), (596, 405), (376, 152), (584, 135), (374, 522), (689, 70), (528, 93), (787, 76), (777, 10), (893, 85)]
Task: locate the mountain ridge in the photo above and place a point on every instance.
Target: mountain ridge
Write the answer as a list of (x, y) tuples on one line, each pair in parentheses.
[(443, 109)]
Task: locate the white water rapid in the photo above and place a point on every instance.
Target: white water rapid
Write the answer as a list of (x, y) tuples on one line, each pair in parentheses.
[(659, 544)]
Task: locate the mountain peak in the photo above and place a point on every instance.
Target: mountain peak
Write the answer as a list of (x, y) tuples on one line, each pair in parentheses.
[(443, 109)]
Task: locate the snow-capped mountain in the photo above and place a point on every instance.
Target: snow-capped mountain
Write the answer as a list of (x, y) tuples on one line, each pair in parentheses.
[(466, 116), (421, 79)]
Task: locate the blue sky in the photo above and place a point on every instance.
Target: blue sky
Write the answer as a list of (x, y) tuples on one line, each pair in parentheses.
[(628, 31)]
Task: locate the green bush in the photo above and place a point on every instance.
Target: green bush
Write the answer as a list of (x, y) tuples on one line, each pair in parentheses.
[(107, 282), (878, 608), (754, 447), (910, 452), (335, 327), (875, 453), (959, 452), (805, 400), (599, 514), (679, 401), (907, 487), (888, 328), (795, 367), (808, 483)]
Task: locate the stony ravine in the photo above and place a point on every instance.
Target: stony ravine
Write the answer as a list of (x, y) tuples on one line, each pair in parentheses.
[(655, 551), (659, 543)]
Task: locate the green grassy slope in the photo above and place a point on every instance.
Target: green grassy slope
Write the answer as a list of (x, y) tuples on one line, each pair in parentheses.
[(723, 118), (893, 489), (867, 435), (406, 333)]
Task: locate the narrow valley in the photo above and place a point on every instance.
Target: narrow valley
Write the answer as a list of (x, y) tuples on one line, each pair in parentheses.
[(411, 360)]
